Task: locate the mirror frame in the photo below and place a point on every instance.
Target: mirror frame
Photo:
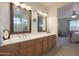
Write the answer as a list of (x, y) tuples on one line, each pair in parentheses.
[(45, 23), (11, 21)]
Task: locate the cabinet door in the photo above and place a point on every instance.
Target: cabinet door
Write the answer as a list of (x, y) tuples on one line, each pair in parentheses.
[(3, 52), (9, 50), (27, 48), (38, 44), (45, 44), (51, 41)]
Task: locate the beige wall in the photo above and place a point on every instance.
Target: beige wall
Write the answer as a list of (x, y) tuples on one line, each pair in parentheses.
[(4, 18), (5, 15), (52, 20)]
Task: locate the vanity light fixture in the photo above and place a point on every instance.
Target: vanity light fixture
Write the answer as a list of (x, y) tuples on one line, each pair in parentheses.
[(45, 14), (16, 3), (42, 13), (28, 8), (22, 5)]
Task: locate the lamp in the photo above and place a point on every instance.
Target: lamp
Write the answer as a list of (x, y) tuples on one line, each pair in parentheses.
[(74, 15)]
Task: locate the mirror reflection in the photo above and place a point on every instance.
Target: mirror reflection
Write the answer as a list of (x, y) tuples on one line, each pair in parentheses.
[(42, 23), (21, 19)]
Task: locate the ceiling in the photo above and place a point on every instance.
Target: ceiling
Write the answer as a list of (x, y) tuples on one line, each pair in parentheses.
[(55, 4)]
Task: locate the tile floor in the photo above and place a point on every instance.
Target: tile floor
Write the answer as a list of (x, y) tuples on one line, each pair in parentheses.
[(64, 48)]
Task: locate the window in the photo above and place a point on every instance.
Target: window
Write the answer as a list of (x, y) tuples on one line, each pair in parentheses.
[(74, 25)]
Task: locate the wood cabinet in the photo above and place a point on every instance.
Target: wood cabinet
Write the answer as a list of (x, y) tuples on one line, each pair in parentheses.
[(9, 50), (29, 48), (45, 44), (51, 41), (38, 46)]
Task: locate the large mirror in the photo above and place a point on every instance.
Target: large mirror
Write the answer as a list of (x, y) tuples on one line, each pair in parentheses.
[(42, 23), (20, 19)]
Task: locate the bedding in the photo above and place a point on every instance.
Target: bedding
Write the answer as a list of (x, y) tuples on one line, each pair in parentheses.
[(75, 37)]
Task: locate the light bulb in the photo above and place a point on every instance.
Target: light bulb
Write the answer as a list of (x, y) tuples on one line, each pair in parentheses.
[(28, 8), (44, 14), (23, 5), (16, 3), (41, 13)]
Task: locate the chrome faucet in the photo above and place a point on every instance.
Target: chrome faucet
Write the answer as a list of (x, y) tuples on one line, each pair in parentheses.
[(24, 35)]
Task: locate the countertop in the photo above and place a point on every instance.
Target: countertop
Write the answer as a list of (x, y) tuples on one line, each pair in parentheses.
[(15, 38)]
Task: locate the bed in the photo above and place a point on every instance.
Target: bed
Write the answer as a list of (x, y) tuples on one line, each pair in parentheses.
[(75, 37)]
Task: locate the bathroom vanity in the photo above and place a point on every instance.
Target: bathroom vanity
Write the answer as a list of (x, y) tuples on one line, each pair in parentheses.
[(24, 41), (31, 47)]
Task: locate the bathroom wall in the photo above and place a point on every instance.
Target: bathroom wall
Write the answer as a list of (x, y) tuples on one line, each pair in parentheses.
[(52, 20)]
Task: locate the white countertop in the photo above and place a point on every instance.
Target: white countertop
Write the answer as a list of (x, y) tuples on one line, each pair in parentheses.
[(24, 37)]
